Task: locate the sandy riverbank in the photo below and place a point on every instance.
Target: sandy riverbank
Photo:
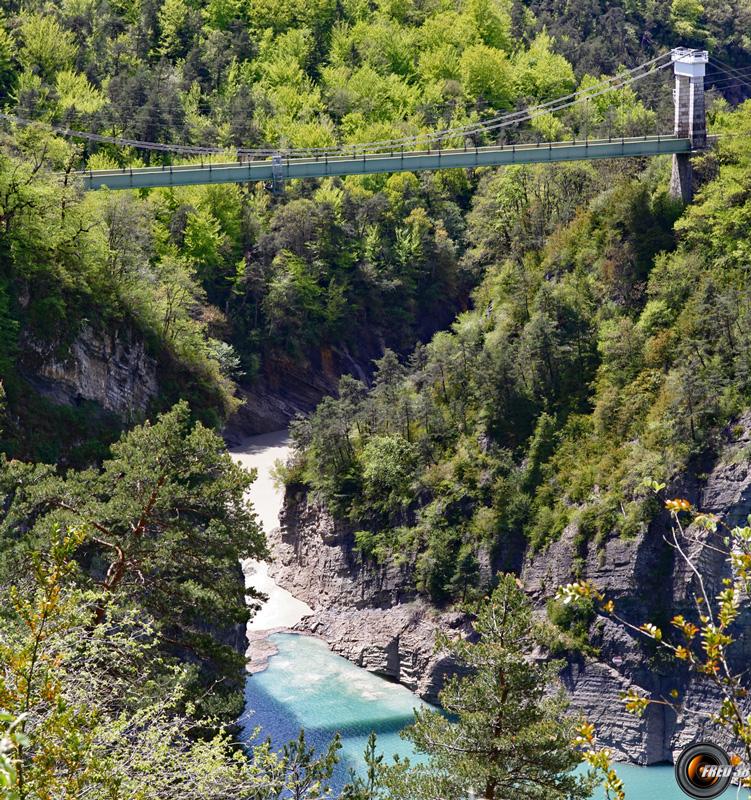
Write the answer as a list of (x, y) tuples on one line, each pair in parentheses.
[(282, 609)]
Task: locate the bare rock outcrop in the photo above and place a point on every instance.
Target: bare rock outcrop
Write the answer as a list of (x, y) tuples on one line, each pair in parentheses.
[(316, 560), (111, 368), (371, 614), (287, 387), (649, 581), (367, 612), (397, 642)]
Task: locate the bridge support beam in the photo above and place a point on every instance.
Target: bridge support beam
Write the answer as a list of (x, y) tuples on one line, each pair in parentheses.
[(277, 173), (690, 116), (279, 169)]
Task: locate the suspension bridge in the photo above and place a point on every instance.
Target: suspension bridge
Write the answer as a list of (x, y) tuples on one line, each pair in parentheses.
[(457, 147), (288, 167)]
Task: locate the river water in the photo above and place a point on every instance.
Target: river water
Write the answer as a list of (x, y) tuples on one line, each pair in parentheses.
[(281, 610), (306, 685)]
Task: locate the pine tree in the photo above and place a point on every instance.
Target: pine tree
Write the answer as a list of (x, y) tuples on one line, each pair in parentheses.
[(504, 734), (366, 788)]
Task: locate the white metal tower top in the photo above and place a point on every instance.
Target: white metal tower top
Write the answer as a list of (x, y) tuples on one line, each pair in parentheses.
[(688, 62)]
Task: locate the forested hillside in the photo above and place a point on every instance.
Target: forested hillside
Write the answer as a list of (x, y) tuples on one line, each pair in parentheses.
[(594, 34), (533, 343), (71, 263), (602, 356), (350, 265)]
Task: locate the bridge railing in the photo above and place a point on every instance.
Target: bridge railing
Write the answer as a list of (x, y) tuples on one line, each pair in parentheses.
[(372, 163)]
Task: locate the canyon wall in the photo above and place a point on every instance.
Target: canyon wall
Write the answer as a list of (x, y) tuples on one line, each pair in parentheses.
[(111, 368), (289, 386), (371, 614), (650, 581)]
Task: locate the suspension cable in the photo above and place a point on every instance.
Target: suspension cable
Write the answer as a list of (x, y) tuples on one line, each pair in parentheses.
[(503, 120), (612, 83), (732, 72)]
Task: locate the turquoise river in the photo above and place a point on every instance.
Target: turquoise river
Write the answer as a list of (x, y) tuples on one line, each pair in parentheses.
[(306, 685)]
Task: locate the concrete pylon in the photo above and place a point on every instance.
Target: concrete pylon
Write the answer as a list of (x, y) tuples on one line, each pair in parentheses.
[(690, 116)]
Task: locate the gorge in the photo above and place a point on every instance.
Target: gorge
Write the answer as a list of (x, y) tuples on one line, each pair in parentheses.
[(371, 614), (498, 381), (297, 681)]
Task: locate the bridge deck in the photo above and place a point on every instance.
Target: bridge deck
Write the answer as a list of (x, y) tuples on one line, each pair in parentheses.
[(370, 163)]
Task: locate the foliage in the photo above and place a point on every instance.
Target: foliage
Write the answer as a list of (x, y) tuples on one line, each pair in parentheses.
[(7, 59), (166, 521), (593, 36), (504, 731), (603, 337), (573, 625), (330, 265), (598, 353), (305, 774), (10, 741), (388, 466), (367, 788), (89, 266), (47, 46), (96, 711)]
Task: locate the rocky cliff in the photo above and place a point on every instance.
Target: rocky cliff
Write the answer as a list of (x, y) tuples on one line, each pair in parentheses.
[(370, 613), (287, 387), (649, 581), (111, 368), (367, 612)]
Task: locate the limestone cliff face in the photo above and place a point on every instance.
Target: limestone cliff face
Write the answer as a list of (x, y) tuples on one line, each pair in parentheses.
[(287, 387), (315, 558), (649, 581), (367, 612), (111, 368), (370, 613)]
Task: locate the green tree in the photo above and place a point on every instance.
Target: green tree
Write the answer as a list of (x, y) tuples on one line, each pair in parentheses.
[(202, 242), (317, 14), (367, 788), (305, 774), (541, 73), (467, 573), (7, 59), (167, 520), (221, 13), (505, 735), (45, 740), (294, 303), (77, 94), (492, 18), (685, 16), (174, 22), (387, 388), (47, 45), (96, 711), (8, 332), (388, 466), (169, 493), (486, 74)]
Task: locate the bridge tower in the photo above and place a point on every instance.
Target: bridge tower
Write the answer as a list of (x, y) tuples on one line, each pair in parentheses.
[(690, 115)]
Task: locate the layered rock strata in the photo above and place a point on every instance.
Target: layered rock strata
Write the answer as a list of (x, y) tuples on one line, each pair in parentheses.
[(367, 612), (371, 614), (111, 368)]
